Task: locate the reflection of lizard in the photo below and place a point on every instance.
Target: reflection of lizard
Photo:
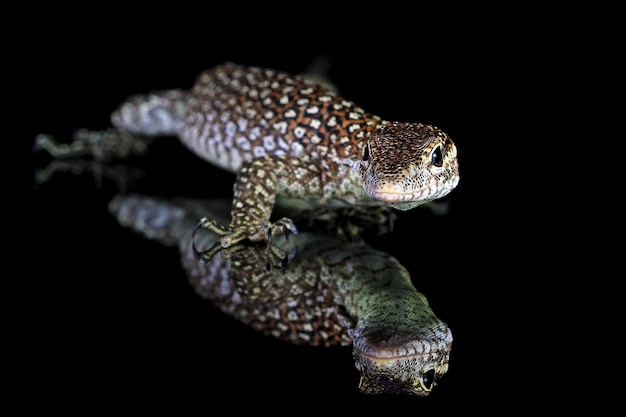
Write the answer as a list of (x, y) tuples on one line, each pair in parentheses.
[(289, 138), (335, 292)]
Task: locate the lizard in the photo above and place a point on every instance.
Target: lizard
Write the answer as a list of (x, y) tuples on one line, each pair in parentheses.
[(289, 140), (337, 292)]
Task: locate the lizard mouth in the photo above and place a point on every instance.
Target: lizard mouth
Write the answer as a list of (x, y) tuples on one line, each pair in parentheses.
[(387, 195), (405, 196), (410, 372), (401, 200), (384, 355)]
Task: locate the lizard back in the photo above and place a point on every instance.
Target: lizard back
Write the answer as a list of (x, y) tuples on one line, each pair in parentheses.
[(236, 113)]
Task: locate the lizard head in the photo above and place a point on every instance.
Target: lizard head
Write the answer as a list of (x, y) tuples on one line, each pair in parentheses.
[(408, 164), (397, 363)]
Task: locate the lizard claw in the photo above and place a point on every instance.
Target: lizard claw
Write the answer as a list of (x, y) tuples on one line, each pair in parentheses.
[(227, 240), (229, 237), (204, 255)]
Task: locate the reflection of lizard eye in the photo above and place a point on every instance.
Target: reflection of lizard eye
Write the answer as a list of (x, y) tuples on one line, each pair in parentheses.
[(366, 152), (437, 157), (428, 379)]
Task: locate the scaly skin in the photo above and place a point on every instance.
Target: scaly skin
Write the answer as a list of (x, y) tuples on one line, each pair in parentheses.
[(290, 139), (287, 137), (336, 292)]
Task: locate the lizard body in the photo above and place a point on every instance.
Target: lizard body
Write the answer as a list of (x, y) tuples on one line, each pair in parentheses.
[(289, 138)]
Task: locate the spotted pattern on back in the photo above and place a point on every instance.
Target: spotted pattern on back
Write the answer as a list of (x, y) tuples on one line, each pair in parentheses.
[(238, 113), (291, 138)]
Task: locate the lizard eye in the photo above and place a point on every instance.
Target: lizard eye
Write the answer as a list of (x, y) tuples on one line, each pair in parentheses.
[(429, 379), (437, 157), (366, 152)]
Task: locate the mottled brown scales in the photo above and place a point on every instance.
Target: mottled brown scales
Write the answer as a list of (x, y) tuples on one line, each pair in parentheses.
[(269, 112), (290, 139), (300, 137)]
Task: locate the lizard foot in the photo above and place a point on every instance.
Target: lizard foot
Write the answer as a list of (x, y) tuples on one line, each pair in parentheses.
[(262, 260), (265, 232), (227, 240)]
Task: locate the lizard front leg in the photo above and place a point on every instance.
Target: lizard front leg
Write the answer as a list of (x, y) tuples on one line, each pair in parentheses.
[(258, 183)]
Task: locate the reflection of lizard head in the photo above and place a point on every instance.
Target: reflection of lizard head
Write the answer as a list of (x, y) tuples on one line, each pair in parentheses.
[(390, 364)]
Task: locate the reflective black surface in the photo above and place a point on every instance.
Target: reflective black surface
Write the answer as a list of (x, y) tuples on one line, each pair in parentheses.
[(113, 313)]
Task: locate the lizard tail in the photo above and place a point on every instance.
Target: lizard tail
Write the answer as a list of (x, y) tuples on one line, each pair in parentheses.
[(159, 113)]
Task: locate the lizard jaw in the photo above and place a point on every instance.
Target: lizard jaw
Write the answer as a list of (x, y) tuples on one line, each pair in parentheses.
[(413, 374), (396, 196)]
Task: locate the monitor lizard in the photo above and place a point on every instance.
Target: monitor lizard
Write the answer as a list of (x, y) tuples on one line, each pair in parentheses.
[(288, 139)]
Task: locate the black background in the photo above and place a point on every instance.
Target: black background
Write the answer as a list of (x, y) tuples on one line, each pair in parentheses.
[(112, 321)]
